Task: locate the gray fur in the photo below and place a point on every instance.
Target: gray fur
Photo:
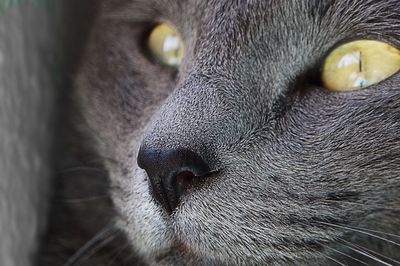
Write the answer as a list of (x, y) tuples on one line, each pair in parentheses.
[(292, 157)]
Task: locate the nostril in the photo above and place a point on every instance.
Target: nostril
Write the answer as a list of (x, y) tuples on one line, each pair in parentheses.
[(184, 181), (171, 173)]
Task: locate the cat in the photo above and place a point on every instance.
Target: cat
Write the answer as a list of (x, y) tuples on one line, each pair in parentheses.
[(240, 155)]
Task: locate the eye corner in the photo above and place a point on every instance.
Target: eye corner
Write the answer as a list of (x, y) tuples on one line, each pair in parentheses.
[(142, 41)]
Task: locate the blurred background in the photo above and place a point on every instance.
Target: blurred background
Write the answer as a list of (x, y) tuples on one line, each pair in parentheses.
[(40, 45)]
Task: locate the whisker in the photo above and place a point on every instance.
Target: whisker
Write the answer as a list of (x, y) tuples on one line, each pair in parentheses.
[(119, 252), (362, 232), (372, 251), (364, 253), (344, 254), (83, 200), (362, 204), (81, 169), (106, 235), (375, 231), (330, 258)]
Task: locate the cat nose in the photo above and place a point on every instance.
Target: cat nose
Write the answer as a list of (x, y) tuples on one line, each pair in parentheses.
[(171, 173)]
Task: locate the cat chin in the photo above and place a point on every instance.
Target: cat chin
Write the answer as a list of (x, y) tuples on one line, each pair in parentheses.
[(150, 232), (167, 240), (156, 237)]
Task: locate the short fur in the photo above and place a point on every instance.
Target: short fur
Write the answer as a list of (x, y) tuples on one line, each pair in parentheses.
[(301, 170)]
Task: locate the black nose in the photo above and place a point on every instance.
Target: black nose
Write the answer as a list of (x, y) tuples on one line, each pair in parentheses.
[(171, 173)]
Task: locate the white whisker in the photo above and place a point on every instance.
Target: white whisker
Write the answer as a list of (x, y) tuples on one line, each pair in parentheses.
[(344, 254), (81, 169), (332, 259), (328, 257), (375, 231), (82, 200), (372, 251), (362, 204), (364, 253), (362, 232), (106, 235)]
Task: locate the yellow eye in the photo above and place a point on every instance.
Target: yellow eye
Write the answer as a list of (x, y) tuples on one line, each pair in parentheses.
[(359, 64), (166, 45)]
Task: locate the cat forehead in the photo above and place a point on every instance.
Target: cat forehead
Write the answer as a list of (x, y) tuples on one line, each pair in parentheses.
[(244, 30), (200, 8), (268, 20)]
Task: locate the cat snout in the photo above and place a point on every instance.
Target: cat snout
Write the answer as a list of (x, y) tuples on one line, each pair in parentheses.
[(171, 173)]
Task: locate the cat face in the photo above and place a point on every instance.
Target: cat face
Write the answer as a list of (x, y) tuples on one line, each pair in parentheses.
[(288, 169)]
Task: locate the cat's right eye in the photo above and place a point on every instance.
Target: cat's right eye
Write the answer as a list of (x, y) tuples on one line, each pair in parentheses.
[(165, 45), (360, 64)]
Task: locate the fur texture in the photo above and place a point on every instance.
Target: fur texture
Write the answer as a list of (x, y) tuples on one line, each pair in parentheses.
[(303, 173)]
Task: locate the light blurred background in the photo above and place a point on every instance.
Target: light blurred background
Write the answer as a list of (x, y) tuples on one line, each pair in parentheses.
[(40, 42)]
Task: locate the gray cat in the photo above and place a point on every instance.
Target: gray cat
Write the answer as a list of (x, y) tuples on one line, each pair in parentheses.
[(238, 155)]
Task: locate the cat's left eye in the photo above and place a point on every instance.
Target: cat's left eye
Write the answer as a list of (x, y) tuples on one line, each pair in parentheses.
[(360, 64), (165, 45)]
